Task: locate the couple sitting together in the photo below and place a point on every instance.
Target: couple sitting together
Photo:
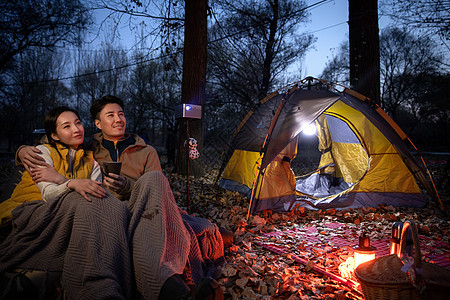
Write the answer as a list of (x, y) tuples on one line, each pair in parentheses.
[(116, 237)]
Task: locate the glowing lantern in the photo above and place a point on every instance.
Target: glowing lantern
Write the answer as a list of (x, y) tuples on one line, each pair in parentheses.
[(310, 129), (363, 251)]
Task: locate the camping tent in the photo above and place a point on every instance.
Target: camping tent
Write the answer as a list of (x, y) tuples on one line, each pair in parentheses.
[(365, 158)]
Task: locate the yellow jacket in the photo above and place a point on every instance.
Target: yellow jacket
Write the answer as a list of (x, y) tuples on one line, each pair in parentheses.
[(27, 190)]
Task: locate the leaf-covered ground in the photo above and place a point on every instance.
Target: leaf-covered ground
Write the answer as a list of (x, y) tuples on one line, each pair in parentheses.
[(253, 272)]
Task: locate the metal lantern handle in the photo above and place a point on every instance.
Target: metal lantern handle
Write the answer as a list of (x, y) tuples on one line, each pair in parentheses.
[(418, 280)]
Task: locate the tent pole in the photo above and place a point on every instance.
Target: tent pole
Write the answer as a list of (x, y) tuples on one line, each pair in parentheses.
[(272, 124), (255, 184), (263, 150), (429, 175)]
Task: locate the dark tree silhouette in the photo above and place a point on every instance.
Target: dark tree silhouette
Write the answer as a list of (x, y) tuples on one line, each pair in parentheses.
[(364, 48), (39, 23), (430, 16), (194, 78)]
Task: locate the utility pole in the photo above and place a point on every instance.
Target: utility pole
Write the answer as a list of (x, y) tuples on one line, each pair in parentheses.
[(364, 48)]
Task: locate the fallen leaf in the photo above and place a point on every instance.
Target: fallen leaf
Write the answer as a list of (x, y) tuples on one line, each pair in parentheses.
[(241, 282), (228, 271)]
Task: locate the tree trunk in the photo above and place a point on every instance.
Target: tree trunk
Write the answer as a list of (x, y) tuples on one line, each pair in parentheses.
[(193, 82), (269, 52), (364, 48)]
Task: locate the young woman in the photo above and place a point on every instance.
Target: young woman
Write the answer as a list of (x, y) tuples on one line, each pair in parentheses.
[(75, 168), (66, 221)]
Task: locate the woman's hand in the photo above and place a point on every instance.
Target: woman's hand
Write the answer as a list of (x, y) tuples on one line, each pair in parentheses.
[(48, 174), (87, 186), (114, 182)]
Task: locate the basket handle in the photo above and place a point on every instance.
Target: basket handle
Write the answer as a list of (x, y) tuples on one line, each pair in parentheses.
[(416, 244)]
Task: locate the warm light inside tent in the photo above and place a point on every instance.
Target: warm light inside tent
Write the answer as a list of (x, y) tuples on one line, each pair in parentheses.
[(310, 129)]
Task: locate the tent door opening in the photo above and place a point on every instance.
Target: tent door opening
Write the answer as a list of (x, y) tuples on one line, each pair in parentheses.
[(342, 159)]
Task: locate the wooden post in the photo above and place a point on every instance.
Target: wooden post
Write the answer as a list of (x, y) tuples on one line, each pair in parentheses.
[(194, 79), (364, 48)]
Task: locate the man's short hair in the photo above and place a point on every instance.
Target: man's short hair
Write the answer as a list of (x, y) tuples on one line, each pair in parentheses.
[(99, 104)]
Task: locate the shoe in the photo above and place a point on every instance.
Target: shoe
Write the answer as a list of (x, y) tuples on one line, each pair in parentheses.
[(208, 289), (15, 285), (174, 288), (227, 237)]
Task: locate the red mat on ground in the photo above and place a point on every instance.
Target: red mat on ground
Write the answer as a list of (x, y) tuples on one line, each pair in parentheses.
[(437, 252)]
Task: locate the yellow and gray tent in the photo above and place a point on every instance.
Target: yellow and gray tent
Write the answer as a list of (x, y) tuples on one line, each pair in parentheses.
[(365, 157)]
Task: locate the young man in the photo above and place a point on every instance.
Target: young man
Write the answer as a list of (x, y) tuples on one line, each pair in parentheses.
[(140, 162), (113, 144)]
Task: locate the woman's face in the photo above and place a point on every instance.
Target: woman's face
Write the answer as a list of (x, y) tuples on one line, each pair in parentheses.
[(69, 130)]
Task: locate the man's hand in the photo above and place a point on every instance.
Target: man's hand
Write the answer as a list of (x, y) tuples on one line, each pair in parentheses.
[(30, 157), (87, 186), (114, 182), (48, 174)]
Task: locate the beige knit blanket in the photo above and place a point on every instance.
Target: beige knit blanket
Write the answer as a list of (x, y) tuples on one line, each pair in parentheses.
[(160, 242)]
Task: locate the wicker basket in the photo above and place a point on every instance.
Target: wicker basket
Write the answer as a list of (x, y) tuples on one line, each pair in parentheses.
[(382, 278)]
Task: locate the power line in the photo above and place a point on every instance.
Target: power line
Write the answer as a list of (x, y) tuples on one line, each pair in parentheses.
[(262, 23), (93, 73), (225, 36), (328, 27), (165, 55)]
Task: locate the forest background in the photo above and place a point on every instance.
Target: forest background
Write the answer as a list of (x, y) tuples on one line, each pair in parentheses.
[(56, 52), (59, 52)]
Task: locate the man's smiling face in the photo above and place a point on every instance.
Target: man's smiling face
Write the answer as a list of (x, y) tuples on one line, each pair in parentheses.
[(112, 122)]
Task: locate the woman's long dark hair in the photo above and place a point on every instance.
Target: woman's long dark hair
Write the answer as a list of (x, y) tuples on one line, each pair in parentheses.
[(50, 124)]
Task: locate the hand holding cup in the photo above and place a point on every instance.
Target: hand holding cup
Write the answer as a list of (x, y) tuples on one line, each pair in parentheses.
[(111, 167)]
